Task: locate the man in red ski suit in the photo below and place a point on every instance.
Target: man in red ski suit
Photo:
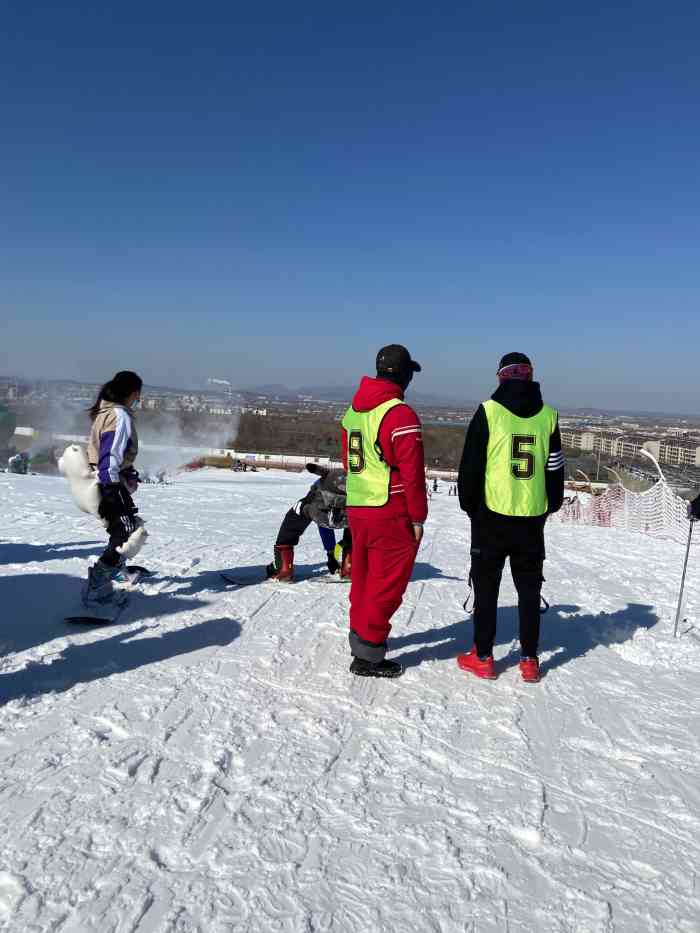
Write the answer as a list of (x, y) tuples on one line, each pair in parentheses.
[(386, 536)]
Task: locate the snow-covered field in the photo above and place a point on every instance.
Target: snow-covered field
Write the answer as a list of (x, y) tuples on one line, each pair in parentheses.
[(209, 763)]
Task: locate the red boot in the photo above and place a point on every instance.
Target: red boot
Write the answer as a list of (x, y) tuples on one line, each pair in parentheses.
[(473, 663), (346, 565), (282, 569), (530, 670)]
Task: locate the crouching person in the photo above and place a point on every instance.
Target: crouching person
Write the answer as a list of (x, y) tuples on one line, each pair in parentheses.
[(324, 505)]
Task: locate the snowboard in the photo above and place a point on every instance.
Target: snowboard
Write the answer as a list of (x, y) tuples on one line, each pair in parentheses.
[(259, 581), (329, 578), (109, 613)]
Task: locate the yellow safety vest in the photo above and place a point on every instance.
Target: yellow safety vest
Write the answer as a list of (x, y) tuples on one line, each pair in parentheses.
[(516, 460), (369, 477)]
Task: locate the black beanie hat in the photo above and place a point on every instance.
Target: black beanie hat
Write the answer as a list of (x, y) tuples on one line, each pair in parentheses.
[(510, 359)]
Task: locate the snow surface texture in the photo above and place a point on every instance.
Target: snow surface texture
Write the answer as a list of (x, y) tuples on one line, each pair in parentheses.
[(209, 764)]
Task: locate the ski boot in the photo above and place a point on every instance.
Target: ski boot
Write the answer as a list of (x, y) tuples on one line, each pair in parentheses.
[(282, 568), (480, 667), (384, 668)]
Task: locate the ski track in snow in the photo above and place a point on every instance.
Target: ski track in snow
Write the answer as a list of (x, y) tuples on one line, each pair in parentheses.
[(209, 764)]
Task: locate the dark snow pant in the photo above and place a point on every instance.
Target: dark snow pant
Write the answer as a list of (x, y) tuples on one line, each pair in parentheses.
[(293, 526), (383, 553), (295, 523), (494, 538), (120, 526)]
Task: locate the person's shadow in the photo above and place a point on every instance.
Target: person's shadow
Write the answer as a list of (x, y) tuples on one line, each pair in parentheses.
[(424, 571), (208, 580), (124, 651), (17, 553), (34, 606), (564, 632)]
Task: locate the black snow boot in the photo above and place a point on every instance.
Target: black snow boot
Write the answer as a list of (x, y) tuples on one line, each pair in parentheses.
[(384, 668)]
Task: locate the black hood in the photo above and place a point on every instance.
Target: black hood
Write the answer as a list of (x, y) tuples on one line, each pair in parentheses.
[(523, 399)]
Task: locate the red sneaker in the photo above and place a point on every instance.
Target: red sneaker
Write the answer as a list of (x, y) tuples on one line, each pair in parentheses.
[(530, 670), (472, 662)]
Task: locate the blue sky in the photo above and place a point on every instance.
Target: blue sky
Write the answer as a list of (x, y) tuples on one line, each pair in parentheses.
[(269, 194)]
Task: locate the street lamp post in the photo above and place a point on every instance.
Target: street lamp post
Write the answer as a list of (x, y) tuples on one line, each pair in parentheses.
[(588, 480), (650, 456), (615, 474)]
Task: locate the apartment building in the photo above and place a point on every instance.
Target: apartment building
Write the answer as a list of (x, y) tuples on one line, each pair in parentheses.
[(670, 451)]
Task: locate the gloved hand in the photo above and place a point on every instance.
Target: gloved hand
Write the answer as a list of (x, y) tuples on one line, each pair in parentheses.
[(131, 478), (694, 509), (115, 502), (337, 517), (332, 563)]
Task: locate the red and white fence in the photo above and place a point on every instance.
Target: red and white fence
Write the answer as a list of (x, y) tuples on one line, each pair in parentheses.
[(658, 512)]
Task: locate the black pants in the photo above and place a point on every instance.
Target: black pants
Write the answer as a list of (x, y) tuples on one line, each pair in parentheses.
[(295, 523), (494, 538), (121, 524)]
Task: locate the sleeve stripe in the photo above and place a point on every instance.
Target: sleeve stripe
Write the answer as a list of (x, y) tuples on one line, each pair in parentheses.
[(553, 466), (122, 436), (398, 432)]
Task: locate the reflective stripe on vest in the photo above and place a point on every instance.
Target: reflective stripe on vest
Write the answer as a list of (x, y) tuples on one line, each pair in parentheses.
[(369, 476), (516, 460)]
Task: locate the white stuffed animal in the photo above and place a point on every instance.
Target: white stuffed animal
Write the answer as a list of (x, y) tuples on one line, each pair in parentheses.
[(82, 479), (86, 495)]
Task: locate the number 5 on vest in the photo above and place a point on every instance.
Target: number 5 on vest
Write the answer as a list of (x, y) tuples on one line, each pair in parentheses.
[(522, 461)]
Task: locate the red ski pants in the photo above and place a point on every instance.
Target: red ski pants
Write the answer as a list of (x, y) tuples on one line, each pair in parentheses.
[(383, 553)]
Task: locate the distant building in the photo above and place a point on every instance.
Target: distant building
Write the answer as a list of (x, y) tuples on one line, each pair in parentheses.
[(673, 452)]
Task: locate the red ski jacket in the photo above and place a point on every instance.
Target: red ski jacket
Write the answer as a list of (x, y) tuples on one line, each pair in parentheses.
[(401, 440)]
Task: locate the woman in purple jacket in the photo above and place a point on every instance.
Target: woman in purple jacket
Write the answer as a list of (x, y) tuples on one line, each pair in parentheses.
[(112, 449)]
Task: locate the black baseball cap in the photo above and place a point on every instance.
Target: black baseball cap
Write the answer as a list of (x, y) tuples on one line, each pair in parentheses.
[(396, 359)]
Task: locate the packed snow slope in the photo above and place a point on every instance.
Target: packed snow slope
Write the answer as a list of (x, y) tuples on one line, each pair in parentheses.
[(210, 764)]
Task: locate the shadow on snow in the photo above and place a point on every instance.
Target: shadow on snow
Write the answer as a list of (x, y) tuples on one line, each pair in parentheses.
[(423, 571), (34, 604), (207, 580), (124, 651), (16, 553), (564, 632)]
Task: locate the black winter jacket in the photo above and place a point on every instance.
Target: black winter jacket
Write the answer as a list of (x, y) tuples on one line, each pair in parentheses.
[(523, 399), (325, 501)]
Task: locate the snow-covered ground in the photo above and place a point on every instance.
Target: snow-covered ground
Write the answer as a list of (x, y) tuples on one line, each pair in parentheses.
[(209, 763)]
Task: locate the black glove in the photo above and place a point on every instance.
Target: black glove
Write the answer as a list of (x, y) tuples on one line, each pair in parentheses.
[(115, 502), (332, 563), (131, 478), (694, 509)]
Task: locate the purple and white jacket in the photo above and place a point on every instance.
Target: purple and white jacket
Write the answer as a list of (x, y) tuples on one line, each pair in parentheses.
[(113, 443)]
